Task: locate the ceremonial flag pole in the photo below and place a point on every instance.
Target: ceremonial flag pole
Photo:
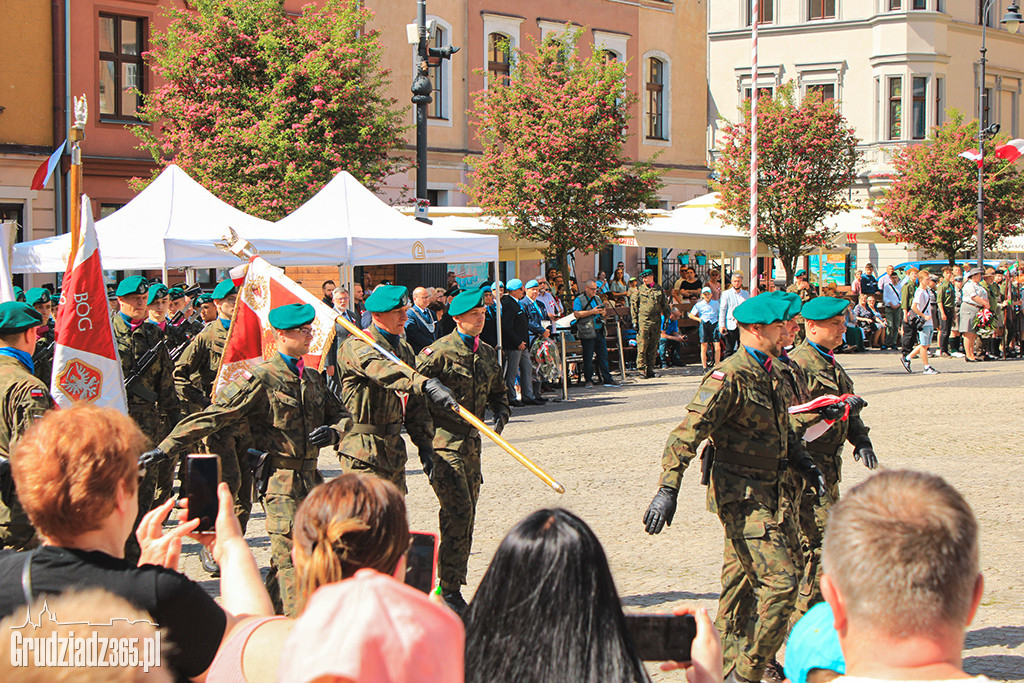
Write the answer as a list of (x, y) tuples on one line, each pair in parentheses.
[(75, 136), (754, 20)]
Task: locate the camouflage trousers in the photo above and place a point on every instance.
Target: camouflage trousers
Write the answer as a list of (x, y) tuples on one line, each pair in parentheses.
[(350, 464), (234, 467), (149, 420), (761, 572), (16, 531), (813, 517), (456, 481), (647, 345), (285, 492)]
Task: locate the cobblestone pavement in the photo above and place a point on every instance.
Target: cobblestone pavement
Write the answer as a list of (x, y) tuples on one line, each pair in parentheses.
[(605, 446)]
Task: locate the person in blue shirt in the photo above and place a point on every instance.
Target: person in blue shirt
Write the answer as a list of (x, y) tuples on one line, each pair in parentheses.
[(670, 345), (536, 313), (589, 305), (705, 312)]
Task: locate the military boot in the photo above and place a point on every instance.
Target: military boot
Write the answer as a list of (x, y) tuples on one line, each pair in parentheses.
[(456, 602)]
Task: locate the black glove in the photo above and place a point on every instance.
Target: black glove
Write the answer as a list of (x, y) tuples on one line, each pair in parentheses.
[(500, 420), (856, 404), (151, 458), (833, 412), (440, 394), (865, 451), (661, 510), (323, 436), (806, 468), (427, 459)]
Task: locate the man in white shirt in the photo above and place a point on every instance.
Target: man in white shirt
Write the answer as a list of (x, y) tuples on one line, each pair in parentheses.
[(902, 619), (731, 298), (552, 305)]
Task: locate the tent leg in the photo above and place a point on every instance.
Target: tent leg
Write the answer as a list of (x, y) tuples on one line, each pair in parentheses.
[(516, 269), (163, 272), (497, 314), (190, 276)]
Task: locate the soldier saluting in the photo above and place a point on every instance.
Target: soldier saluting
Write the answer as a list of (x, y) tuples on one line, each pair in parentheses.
[(647, 307), (381, 395), (470, 368), (742, 406), (290, 413)]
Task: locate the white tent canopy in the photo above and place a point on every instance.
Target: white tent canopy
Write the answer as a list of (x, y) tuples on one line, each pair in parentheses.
[(173, 223), (856, 226), (354, 227), (693, 225)]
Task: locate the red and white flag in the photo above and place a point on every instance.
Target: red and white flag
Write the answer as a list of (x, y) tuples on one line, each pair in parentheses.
[(85, 362), (251, 339), (974, 155), (45, 170), (1011, 151)]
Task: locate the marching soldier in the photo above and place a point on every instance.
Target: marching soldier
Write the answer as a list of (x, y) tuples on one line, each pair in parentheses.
[(381, 395), (24, 399), (647, 306), (42, 357), (742, 406), (292, 415), (152, 396), (207, 309), (471, 369), (825, 322), (158, 307)]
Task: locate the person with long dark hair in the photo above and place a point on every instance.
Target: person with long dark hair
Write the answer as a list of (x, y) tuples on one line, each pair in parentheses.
[(547, 610)]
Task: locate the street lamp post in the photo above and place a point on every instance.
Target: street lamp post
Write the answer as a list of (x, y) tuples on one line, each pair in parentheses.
[(1012, 20)]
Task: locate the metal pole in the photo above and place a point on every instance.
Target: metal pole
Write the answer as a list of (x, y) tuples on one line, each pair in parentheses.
[(982, 101), (754, 20), (622, 353), (421, 89), (565, 368)]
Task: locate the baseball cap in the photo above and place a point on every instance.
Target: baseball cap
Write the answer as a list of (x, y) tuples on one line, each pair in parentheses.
[(705, 290), (813, 644)]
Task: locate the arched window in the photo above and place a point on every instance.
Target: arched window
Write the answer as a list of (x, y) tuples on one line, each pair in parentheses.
[(656, 89), (438, 75), (499, 60), (610, 56)]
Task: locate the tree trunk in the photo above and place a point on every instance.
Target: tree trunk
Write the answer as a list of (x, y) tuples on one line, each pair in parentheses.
[(789, 265)]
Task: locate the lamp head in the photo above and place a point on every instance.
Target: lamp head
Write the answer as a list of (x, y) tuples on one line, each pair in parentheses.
[(1012, 19)]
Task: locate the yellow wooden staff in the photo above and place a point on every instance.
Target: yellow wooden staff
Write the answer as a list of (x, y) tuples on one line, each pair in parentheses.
[(466, 415)]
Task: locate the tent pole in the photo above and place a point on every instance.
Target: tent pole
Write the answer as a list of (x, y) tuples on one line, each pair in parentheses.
[(497, 311), (516, 269), (164, 274)]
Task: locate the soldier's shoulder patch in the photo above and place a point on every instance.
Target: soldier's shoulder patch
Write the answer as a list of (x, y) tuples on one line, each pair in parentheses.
[(246, 374), (718, 374), (426, 351), (37, 392)]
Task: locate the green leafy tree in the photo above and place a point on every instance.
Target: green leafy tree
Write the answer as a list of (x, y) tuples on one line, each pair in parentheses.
[(263, 108), (807, 160), (933, 200), (552, 167)]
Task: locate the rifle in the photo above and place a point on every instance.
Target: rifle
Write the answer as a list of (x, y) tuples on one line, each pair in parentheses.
[(44, 354), (141, 366), (259, 463)]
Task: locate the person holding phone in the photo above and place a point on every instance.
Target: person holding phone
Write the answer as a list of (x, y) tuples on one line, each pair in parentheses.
[(290, 413), (471, 369)]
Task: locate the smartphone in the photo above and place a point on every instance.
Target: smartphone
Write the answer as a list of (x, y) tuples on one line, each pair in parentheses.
[(203, 477), (421, 561), (662, 637)]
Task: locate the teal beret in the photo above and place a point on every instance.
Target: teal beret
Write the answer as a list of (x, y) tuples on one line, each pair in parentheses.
[(224, 289), (19, 293), (762, 310), (645, 273), (466, 301), (513, 285), (387, 298), (157, 291), (55, 299), (176, 293), (532, 283), (290, 316), (824, 307), (136, 284), (791, 299), (800, 273), (36, 295), (18, 316), (203, 298)]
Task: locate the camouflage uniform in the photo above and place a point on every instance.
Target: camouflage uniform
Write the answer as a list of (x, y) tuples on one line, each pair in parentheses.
[(25, 398), (823, 377), (743, 409), (194, 375), (281, 410), (476, 379), (646, 307), (43, 368), (151, 399), (381, 395)]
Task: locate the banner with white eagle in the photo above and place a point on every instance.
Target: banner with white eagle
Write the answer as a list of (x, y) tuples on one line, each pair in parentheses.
[(251, 338), (85, 362)]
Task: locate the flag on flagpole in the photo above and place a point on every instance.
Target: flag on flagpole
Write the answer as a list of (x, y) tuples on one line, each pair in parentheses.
[(45, 169), (1011, 151), (7, 230), (251, 339), (973, 155), (85, 362)]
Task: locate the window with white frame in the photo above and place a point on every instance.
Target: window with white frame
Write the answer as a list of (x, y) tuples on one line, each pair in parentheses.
[(656, 90), (501, 38), (894, 112), (918, 107), (440, 73), (765, 11), (821, 9)]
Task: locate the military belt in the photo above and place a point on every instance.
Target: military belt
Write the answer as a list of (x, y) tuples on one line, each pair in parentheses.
[(460, 429), (282, 462), (757, 462), (376, 430)]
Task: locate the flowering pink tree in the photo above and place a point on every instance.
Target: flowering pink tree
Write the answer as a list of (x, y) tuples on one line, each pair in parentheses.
[(807, 159), (552, 168), (932, 201), (264, 108)]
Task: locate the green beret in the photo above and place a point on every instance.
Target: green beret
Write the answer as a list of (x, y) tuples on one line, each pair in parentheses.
[(18, 316), (387, 298), (762, 310), (224, 289), (291, 316), (800, 273), (824, 307), (791, 299), (645, 273), (136, 284), (55, 299), (466, 301), (36, 295), (157, 291), (203, 298), (19, 293), (176, 293)]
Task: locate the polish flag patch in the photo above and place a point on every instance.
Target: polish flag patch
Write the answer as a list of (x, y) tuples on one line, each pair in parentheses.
[(717, 374)]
